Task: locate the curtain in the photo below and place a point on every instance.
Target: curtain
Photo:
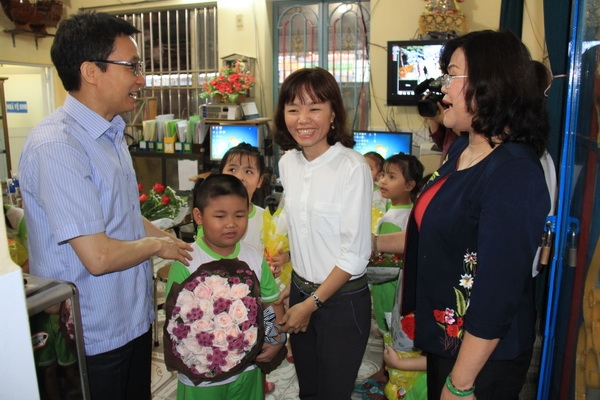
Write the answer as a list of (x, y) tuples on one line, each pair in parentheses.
[(557, 20), (511, 16)]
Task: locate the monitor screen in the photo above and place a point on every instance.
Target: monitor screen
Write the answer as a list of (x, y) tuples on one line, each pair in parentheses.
[(385, 143), (224, 137), (410, 62)]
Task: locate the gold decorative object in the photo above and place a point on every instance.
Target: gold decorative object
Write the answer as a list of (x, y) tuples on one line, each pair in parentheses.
[(442, 16), (443, 22)]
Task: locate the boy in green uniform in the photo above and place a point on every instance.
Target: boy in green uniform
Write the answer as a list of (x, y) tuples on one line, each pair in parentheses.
[(221, 209)]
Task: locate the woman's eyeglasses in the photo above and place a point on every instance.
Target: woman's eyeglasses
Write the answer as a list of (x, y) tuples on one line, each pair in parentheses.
[(447, 79), (137, 66)]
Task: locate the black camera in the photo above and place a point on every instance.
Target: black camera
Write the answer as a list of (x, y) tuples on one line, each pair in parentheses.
[(428, 107)]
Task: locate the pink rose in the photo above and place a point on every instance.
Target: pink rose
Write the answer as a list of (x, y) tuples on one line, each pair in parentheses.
[(220, 339), (251, 335), (232, 360), (185, 311), (215, 280), (185, 297), (221, 291), (223, 320), (200, 363), (201, 325), (206, 306), (239, 291), (184, 352), (192, 345), (238, 312), (202, 291), (233, 330), (172, 323)]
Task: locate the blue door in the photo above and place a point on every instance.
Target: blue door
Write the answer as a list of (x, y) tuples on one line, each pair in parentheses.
[(570, 365)]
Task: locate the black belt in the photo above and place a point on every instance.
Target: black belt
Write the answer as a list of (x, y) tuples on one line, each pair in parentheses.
[(309, 287)]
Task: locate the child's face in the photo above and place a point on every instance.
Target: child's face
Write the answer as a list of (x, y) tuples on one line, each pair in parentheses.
[(374, 167), (394, 186), (224, 222), (245, 168)]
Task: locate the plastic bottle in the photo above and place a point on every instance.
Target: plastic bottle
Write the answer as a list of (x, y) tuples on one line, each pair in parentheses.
[(11, 192), (15, 179)]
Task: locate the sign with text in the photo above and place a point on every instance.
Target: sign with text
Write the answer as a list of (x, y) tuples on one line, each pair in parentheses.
[(16, 107)]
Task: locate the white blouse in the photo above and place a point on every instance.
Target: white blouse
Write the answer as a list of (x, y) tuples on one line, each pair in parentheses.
[(328, 209)]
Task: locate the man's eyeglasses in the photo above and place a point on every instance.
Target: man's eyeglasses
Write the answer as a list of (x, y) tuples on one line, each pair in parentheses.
[(137, 66), (447, 79)]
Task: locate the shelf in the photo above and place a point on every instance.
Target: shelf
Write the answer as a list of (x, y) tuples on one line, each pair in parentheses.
[(36, 35), (257, 121)]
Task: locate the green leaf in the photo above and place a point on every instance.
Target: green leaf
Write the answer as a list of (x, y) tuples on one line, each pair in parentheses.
[(461, 304)]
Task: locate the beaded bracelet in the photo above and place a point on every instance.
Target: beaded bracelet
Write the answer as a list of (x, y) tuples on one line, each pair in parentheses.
[(458, 392)]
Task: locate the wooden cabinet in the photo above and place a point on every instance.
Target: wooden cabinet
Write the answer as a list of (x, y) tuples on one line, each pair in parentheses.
[(5, 164)]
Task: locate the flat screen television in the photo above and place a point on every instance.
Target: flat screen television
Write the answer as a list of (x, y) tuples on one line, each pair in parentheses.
[(224, 137), (410, 62), (385, 143)]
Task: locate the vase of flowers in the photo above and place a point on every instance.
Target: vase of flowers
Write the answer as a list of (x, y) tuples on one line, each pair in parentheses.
[(231, 84)]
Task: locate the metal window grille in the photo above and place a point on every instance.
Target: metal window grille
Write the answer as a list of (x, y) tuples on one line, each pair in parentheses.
[(179, 49)]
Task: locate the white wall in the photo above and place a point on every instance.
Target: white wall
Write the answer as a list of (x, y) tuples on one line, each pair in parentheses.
[(29, 84)]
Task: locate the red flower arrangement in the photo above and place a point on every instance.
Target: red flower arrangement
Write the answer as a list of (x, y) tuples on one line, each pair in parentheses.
[(230, 83), (160, 202)]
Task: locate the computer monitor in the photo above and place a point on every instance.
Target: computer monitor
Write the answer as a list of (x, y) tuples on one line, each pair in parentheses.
[(385, 143), (224, 137), (410, 62)]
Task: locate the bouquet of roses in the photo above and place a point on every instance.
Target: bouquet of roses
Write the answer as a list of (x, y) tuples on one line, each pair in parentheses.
[(160, 202), (213, 327)]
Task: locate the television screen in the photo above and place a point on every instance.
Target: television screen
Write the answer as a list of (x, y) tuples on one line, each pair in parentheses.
[(224, 137), (410, 62), (385, 143)]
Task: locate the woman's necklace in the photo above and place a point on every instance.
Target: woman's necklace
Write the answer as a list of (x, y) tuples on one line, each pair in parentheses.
[(477, 157)]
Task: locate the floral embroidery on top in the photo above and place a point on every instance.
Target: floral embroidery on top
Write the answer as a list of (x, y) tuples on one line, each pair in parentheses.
[(451, 319)]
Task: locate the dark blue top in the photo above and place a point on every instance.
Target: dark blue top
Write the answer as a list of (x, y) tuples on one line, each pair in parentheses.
[(468, 267)]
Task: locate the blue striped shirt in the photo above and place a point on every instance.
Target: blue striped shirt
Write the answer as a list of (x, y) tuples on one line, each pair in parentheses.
[(77, 179)]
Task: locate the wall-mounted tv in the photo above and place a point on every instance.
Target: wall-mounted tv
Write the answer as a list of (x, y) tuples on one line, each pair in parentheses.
[(224, 137), (385, 143), (410, 62)]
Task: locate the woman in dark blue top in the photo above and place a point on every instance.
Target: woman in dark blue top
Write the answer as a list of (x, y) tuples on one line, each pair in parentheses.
[(474, 231)]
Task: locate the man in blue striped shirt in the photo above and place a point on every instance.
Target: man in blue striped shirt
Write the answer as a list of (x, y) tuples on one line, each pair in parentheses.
[(82, 206)]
